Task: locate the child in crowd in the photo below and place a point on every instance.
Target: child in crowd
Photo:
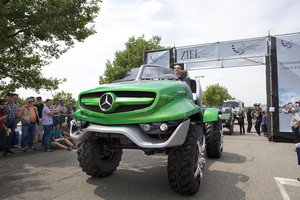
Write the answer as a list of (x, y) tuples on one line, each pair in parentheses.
[(264, 124)]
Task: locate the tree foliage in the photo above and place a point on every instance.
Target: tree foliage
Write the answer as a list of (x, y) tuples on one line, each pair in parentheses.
[(131, 57), (34, 31), (68, 97), (21, 101), (214, 95)]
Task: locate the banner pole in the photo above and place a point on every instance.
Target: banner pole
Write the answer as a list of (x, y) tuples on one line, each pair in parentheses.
[(271, 85)]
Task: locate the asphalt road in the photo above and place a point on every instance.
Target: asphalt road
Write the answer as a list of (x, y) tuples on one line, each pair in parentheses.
[(250, 167)]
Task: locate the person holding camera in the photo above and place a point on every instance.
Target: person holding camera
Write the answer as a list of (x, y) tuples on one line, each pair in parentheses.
[(47, 114)]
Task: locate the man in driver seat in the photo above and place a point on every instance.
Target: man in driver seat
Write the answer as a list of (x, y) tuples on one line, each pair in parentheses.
[(177, 70)]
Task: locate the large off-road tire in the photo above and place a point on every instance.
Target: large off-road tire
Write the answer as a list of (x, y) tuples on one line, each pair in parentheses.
[(80, 156), (186, 163), (93, 163), (214, 139)]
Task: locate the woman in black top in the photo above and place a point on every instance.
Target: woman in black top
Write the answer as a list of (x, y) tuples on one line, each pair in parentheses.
[(241, 117), (258, 120)]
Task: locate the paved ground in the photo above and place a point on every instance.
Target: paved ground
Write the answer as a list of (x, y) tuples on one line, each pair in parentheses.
[(251, 167)]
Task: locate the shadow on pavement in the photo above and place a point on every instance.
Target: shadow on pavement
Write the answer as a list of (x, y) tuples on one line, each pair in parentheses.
[(142, 182), (231, 158), (20, 183)]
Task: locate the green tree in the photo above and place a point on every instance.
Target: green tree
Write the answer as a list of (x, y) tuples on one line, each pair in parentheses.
[(131, 57), (68, 97), (21, 101), (214, 95), (32, 32)]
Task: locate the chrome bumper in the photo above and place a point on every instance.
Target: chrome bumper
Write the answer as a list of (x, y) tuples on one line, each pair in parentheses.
[(135, 134)]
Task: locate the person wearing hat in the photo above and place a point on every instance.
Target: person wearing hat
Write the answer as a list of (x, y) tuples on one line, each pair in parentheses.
[(11, 116)]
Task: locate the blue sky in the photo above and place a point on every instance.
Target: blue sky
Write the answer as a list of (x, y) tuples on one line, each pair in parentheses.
[(181, 23)]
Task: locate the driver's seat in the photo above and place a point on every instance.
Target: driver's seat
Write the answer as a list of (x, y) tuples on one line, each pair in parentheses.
[(195, 88), (184, 74)]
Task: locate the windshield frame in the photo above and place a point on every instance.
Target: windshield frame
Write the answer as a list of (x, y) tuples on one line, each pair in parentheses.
[(164, 76), (143, 67)]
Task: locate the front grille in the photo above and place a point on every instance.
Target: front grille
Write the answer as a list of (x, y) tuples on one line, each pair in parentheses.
[(119, 94)]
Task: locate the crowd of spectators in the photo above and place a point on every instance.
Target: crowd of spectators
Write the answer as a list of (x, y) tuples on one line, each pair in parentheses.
[(259, 119), (40, 122)]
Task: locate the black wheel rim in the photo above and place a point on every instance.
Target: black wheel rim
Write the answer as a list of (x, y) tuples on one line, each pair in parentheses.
[(108, 159)]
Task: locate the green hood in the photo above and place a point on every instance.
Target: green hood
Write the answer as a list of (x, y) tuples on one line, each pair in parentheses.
[(137, 102)]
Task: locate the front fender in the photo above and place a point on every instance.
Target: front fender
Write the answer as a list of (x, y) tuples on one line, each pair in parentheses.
[(211, 114)]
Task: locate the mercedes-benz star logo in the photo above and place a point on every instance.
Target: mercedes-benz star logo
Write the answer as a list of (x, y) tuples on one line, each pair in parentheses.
[(106, 102)]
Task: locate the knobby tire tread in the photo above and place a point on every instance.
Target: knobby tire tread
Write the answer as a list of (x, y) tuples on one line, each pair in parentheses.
[(92, 164), (181, 164), (213, 139)]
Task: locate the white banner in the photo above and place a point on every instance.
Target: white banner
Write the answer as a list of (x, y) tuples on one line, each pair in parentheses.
[(245, 48), (203, 65), (159, 58), (243, 62), (197, 53), (225, 63), (288, 67), (223, 54)]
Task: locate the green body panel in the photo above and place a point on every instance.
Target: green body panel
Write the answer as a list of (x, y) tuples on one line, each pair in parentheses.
[(172, 102), (211, 115)]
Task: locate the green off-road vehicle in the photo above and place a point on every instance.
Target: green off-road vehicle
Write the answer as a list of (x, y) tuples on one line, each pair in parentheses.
[(149, 110)]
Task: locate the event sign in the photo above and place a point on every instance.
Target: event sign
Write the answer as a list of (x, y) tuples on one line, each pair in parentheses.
[(225, 63), (197, 53), (245, 48), (159, 58), (288, 68), (224, 51)]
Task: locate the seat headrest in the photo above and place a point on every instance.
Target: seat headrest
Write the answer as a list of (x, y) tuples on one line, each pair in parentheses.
[(183, 73)]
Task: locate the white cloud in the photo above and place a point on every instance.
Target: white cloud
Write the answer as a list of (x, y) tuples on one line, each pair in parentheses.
[(148, 10)]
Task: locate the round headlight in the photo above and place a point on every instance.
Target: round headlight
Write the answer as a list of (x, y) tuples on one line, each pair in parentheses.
[(147, 127), (163, 127)]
